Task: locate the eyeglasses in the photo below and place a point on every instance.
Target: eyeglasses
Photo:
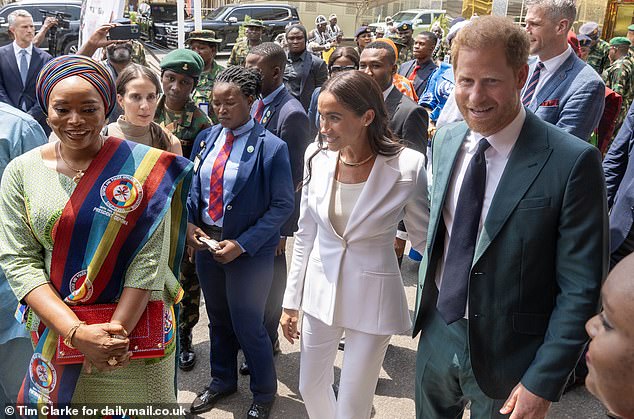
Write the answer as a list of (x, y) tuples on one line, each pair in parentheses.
[(338, 68)]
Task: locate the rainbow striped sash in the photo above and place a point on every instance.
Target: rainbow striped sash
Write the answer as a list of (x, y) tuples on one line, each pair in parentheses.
[(116, 207)]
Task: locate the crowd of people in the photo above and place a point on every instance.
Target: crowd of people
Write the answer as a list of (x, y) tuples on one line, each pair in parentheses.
[(500, 153)]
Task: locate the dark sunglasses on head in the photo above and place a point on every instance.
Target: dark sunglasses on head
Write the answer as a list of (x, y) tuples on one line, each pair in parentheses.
[(337, 68)]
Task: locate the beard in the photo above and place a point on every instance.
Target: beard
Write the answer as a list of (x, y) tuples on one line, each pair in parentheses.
[(120, 54)]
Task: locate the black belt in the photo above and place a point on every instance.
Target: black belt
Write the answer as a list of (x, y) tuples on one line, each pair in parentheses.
[(214, 232)]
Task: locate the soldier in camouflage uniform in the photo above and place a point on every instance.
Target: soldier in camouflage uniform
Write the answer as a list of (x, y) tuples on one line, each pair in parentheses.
[(405, 32), (206, 45), (178, 113), (618, 76), (598, 55), (253, 37)]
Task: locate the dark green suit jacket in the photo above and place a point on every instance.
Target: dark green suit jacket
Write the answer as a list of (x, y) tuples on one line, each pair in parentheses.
[(539, 262)]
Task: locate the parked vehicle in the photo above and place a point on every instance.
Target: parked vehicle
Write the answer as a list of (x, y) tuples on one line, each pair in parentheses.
[(153, 20), (227, 20), (66, 39), (420, 18)]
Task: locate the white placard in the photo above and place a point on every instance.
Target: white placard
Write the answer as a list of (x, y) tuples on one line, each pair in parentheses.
[(94, 14)]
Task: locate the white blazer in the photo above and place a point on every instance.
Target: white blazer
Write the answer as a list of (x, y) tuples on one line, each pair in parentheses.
[(354, 280)]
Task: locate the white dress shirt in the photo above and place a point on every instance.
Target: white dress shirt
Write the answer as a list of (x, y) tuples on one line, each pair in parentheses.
[(502, 143), (16, 51), (550, 67)]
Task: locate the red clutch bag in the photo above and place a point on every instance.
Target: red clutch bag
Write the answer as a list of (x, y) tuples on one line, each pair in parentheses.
[(147, 340)]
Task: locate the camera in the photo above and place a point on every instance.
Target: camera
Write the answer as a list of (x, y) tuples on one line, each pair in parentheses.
[(63, 19)]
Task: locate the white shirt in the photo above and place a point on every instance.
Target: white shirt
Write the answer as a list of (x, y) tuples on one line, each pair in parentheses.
[(16, 51), (550, 67), (387, 91), (502, 143)]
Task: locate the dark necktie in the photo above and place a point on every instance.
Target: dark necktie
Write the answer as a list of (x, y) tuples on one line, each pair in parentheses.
[(452, 297), (216, 205), (532, 84)]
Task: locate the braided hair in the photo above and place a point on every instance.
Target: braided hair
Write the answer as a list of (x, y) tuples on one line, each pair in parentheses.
[(249, 80)]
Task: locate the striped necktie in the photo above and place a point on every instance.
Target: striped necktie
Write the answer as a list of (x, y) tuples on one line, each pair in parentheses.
[(259, 110), (216, 205), (532, 84)]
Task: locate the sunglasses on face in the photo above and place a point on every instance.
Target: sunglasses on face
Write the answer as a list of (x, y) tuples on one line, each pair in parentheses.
[(338, 68)]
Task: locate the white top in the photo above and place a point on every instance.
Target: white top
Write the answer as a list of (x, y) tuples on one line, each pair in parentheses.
[(502, 143), (344, 198), (550, 67)]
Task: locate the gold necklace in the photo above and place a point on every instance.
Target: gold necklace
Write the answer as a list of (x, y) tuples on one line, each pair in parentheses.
[(79, 173), (350, 164)]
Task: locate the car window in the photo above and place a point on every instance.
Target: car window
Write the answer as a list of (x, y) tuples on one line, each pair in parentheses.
[(270, 13), (73, 11), (240, 13), (35, 12), (6, 12), (425, 19), (402, 16), (163, 13), (216, 12)]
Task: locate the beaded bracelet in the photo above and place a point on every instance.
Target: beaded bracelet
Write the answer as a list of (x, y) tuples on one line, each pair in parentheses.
[(71, 333)]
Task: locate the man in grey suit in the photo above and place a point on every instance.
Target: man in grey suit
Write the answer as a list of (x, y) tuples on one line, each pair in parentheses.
[(516, 247), (561, 88)]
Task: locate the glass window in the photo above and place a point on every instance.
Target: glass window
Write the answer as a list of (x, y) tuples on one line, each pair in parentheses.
[(216, 12), (240, 13), (73, 11), (402, 16), (425, 19), (270, 13)]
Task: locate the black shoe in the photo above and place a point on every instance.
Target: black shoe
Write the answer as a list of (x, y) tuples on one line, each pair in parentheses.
[(186, 356), (207, 400), (244, 369), (259, 410)]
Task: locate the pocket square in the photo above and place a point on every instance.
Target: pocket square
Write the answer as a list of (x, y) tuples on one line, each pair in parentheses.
[(552, 102)]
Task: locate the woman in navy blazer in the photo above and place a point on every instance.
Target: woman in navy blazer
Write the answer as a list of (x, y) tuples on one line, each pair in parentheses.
[(242, 193)]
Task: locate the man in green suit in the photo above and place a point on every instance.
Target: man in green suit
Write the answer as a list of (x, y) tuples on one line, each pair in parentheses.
[(517, 244)]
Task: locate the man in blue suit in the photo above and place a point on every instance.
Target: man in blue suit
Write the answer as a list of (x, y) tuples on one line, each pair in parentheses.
[(21, 63), (618, 168), (241, 194), (282, 115), (561, 88)]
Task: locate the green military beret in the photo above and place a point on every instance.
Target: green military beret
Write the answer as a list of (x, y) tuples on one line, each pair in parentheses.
[(619, 40), (183, 61), (203, 36), (630, 28), (405, 26), (255, 23)]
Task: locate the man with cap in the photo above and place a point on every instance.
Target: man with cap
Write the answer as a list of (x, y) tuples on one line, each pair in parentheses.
[(389, 26), (585, 42), (333, 29), (204, 42), (405, 32), (177, 112), (362, 37), (618, 76), (319, 39), (252, 37), (598, 55)]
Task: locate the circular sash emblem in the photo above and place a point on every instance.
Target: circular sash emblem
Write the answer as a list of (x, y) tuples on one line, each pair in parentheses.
[(122, 193), (80, 287), (42, 374)]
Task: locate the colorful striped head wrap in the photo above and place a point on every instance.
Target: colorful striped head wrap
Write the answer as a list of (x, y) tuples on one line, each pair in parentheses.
[(66, 66)]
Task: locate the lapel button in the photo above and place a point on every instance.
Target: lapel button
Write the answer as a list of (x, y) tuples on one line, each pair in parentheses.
[(250, 149)]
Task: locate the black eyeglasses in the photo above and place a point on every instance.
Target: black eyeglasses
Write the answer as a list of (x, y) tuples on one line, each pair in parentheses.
[(338, 68)]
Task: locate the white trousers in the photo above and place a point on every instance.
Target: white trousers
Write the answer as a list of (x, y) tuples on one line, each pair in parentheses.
[(362, 362)]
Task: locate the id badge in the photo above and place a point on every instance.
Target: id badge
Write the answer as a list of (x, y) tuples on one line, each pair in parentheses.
[(204, 106), (196, 163)]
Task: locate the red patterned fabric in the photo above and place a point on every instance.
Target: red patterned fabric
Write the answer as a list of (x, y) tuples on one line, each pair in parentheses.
[(216, 206)]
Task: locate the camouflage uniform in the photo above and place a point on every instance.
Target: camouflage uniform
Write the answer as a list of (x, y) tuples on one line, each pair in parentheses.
[(618, 77), (138, 53), (185, 125), (203, 93), (441, 51), (406, 53), (239, 53), (598, 56)]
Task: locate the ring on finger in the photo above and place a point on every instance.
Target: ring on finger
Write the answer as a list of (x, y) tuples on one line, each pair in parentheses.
[(113, 361)]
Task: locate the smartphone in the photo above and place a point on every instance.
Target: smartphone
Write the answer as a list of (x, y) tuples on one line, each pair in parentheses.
[(212, 244), (124, 32)]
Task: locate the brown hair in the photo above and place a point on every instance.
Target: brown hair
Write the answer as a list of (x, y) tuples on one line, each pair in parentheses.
[(358, 93), (487, 31), (346, 52), (135, 71)]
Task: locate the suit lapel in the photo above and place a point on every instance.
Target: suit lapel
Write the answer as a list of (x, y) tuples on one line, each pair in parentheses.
[(306, 65), (249, 157), (324, 184), (382, 178), (270, 111), (443, 165), (553, 82), (34, 65), (527, 159), (423, 74), (15, 70), (391, 101)]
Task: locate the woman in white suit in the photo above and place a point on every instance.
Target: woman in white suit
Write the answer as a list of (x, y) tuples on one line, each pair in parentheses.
[(360, 182)]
